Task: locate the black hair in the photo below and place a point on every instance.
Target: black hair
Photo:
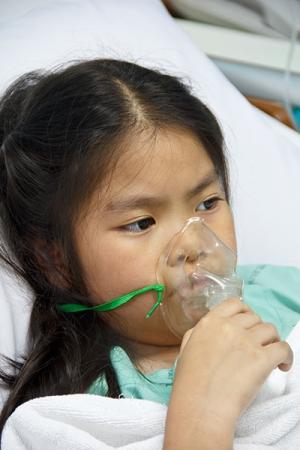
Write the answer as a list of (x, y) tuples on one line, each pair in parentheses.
[(60, 132)]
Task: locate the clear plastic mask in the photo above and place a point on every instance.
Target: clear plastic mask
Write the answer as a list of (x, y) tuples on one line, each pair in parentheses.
[(198, 272)]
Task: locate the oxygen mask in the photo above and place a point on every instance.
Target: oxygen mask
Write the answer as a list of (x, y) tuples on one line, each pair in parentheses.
[(197, 271)]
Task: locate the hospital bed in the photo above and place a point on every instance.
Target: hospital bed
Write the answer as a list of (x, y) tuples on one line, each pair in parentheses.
[(264, 155)]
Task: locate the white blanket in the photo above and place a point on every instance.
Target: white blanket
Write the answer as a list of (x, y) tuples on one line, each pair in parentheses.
[(79, 422)]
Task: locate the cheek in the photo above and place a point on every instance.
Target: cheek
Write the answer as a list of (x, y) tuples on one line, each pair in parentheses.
[(112, 270), (223, 226), (228, 233), (231, 237)]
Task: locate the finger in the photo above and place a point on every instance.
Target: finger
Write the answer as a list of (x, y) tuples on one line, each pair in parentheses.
[(264, 333), (281, 354), (230, 307), (246, 320)]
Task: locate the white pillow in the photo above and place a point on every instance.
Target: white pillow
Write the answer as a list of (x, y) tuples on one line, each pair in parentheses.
[(14, 315), (264, 155)]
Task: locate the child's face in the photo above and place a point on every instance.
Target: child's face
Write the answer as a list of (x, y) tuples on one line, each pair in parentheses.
[(154, 188)]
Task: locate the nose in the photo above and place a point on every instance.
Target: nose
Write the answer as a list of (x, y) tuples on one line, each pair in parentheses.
[(189, 246), (187, 253)]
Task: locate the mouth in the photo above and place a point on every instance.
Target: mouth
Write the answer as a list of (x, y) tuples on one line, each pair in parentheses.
[(196, 285)]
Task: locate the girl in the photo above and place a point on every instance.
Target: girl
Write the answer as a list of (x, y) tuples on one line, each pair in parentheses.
[(101, 163)]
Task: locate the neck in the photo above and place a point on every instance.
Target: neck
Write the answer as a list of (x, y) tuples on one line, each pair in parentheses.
[(149, 358)]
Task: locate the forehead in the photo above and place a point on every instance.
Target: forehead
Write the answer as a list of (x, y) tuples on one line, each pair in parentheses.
[(167, 160)]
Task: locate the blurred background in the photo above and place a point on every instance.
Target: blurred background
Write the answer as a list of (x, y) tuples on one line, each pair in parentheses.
[(255, 43)]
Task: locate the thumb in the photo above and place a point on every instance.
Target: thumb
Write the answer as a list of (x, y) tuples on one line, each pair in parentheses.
[(185, 340)]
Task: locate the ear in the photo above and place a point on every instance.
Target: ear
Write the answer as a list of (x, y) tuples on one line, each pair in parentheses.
[(50, 259)]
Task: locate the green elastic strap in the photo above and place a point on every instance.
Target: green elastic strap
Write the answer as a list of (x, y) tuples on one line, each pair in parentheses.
[(119, 301)]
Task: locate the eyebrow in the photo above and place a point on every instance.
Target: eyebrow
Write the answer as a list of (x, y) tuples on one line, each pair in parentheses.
[(209, 179), (131, 203)]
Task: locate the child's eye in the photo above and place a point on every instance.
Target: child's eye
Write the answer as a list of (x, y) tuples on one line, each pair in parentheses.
[(208, 204), (139, 225)]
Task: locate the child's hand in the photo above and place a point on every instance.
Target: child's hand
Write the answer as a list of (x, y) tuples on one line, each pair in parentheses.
[(223, 362), (229, 354)]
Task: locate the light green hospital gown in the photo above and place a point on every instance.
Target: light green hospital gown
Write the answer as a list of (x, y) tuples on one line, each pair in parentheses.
[(272, 291)]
